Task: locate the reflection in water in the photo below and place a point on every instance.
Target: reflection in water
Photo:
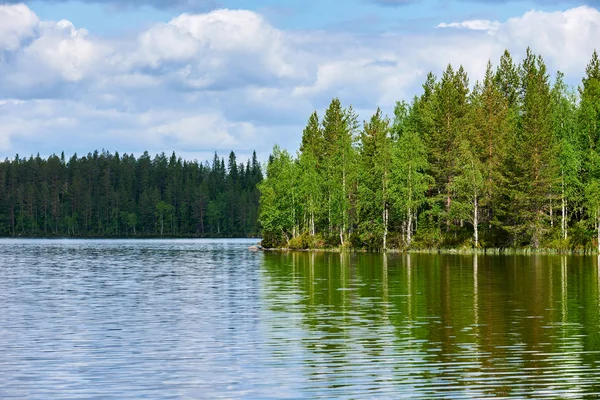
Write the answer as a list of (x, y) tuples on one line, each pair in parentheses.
[(209, 319), (458, 326)]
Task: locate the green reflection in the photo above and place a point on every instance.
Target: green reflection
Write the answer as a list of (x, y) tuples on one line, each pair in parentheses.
[(482, 326)]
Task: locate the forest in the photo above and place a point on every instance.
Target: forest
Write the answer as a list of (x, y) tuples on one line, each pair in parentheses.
[(109, 195), (511, 161)]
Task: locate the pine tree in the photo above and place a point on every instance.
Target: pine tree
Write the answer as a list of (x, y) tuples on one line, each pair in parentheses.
[(489, 129), (533, 166), (588, 122), (451, 108)]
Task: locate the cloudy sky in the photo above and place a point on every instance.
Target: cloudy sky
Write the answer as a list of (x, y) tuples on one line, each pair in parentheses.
[(198, 76)]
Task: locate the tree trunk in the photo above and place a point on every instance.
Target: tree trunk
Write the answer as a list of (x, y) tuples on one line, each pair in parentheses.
[(329, 215), (598, 232), (563, 224), (385, 226), (476, 221), (409, 228)]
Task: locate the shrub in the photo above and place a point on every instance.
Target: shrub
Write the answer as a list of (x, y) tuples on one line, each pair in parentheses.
[(307, 241), (272, 240)]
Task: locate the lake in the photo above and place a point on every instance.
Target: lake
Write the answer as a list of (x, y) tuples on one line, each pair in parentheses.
[(185, 319)]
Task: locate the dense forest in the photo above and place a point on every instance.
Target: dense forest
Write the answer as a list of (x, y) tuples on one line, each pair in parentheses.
[(510, 161), (109, 195)]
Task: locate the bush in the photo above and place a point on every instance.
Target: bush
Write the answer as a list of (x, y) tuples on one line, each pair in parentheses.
[(306, 242), (559, 244), (272, 240), (296, 243)]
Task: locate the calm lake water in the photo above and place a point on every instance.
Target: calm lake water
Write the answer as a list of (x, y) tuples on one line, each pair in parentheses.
[(209, 319)]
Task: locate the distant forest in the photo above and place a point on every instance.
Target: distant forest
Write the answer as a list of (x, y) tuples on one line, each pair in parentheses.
[(510, 161), (112, 195)]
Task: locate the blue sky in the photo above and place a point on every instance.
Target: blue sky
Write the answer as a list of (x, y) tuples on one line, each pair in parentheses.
[(198, 76), (117, 17)]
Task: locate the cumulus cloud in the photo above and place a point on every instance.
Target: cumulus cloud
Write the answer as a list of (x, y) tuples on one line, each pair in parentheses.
[(18, 24), (228, 79), (565, 39)]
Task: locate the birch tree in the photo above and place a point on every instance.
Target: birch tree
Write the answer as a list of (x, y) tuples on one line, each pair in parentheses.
[(374, 181)]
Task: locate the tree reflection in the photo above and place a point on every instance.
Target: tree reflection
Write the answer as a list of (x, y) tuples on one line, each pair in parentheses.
[(453, 324)]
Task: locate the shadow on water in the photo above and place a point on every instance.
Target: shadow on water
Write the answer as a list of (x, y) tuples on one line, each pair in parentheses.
[(431, 325)]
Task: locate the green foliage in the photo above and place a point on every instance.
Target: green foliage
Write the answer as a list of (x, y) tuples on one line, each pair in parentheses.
[(375, 162), (112, 195), (468, 188), (409, 178), (514, 162), (279, 195), (306, 241)]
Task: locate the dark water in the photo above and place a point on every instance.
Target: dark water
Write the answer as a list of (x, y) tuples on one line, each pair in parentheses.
[(209, 319)]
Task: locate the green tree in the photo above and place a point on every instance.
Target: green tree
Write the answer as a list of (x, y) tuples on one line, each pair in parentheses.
[(374, 181), (339, 128), (409, 178), (488, 133), (278, 200), (469, 186), (533, 161), (451, 109), (310, 161), (564, 114), (163, 209)]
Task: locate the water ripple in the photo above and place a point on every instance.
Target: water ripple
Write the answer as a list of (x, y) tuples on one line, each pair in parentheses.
[(209, 319)]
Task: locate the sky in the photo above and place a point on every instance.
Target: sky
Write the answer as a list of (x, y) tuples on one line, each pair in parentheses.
[(199, 76)]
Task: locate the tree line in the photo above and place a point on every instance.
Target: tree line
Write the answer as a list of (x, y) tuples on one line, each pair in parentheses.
[(112, 195), (511, 161)]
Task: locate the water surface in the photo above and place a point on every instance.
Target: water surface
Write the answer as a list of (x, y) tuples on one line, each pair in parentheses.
[(210, 319)]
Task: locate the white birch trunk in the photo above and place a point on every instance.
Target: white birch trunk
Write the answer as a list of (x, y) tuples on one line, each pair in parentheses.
[(564, 219), (343, 228), (385, 226), (476, 220), (563, 224), (409, 227), (410, 214)]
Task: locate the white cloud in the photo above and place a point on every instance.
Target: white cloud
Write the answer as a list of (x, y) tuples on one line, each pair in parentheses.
[(228, 79), (566, 39), (201, 132), (476, 25), (66, 50), (18, 23)]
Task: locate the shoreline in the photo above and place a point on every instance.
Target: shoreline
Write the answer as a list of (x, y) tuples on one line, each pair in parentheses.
[(507, 251)]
